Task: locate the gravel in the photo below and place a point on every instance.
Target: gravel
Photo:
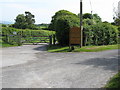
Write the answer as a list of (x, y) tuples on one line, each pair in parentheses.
[(30, 66)]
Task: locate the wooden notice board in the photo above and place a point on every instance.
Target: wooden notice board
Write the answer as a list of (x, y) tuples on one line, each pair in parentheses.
[(74, 36)]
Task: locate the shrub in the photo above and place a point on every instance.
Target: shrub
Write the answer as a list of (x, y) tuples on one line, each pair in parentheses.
[(62, 27), (4, 25), (100, 34), (58, 14)]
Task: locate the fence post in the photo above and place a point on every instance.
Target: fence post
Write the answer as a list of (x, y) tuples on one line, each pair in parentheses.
[(6, 38), (50, 38), (54, 40), (19, 38)]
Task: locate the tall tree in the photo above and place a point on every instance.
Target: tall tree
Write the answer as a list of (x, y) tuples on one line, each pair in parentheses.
[(57, 15), (29, 19), (20, 22), (24, 21)]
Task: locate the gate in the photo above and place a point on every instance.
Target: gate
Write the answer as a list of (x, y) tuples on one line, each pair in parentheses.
[(35, 39), (20, 38)]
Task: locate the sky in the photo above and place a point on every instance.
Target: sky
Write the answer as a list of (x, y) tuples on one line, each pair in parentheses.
[(45, 9)]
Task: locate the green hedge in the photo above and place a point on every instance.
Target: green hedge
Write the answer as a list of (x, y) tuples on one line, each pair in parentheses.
[(29, 32), (100, 34)]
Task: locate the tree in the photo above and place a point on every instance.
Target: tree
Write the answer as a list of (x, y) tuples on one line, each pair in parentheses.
[(87, 16), (25, 21), (4, 25), (29, 19), (90, 19), (97, 18), (59, 14), (20, 22), (62, 25)]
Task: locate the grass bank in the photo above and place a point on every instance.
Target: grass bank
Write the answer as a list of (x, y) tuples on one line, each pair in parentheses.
[(7, 45), (114, 82), (4, 44), (57, 48)]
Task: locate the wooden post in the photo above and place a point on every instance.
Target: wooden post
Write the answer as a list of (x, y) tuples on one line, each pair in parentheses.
[(6, 38), (50, 38), (19, 38), (54, 39)]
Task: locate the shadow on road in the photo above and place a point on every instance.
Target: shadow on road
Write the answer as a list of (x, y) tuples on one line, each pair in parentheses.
[(41, 48), (106, 63)]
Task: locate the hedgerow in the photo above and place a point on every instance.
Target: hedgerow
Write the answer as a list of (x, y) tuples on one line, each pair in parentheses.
[(100, 34)]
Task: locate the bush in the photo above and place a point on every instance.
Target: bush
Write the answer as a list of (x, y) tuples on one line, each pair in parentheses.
[(4, 25), (62, 27), (59, 14), (100, 34)]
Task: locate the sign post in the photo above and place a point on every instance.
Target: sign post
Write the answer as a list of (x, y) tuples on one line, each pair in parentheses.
[(75, 36)]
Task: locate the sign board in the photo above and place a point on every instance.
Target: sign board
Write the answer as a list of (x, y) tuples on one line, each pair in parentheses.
[(15, 33), (74, 36)]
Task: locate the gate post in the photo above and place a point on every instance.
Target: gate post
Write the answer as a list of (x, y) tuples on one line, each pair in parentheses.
[(19, 39), (54, 39), (50, 39)]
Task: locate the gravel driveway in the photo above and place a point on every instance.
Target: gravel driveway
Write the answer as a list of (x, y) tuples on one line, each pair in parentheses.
[(30, 66)]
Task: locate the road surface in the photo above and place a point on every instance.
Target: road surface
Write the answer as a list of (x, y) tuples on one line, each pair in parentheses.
[(30, 66)]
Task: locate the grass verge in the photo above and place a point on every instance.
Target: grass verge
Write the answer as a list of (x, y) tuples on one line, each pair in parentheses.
[(4, 44), (7, 45), (114, 82), (57, 48)]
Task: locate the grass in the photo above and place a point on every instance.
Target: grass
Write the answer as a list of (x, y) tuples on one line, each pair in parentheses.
[(3, 44), (57, 48), (114, 82)]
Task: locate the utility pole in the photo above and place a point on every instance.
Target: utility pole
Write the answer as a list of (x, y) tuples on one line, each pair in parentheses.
[(81, 27)]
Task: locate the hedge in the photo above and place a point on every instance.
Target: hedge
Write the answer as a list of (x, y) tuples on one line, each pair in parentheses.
[(100, 34)]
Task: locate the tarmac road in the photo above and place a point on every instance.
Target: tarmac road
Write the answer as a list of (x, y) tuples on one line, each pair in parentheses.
[(30, 66)]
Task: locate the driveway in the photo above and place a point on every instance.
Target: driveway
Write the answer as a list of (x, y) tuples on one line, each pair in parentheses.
[(30, 66)]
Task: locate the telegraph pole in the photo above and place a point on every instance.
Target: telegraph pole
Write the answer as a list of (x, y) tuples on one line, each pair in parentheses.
[(81, 27)]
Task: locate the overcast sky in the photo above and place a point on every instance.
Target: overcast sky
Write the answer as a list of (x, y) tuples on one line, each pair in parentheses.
[(45, 9)]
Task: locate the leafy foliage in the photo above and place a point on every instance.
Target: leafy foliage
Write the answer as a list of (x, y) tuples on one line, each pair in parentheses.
[(20, 22), (4, 25), (62, 26), (100, 34), (25, 21), (58, 14), (87, 15), (62, 22), (114, 82), (89, 19)]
